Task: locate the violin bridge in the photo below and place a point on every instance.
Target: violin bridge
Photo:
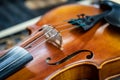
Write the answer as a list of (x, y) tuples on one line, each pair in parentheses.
[(52, 35)]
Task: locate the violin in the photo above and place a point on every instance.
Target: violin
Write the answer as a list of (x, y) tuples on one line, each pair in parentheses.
[(71, 42)]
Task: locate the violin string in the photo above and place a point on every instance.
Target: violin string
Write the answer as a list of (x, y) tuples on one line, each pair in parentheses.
[(12, 62), (57, 27), (39, 38), (32, 49), (61, 22), (60, 26), (73, 27), (50, 37), (44, 41), (35, 46)]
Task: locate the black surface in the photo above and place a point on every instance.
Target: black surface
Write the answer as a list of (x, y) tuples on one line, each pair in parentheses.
[(113, 17), (13, 12)]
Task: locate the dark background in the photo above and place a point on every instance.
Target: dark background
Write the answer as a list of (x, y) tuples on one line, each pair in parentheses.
[(13, 12)]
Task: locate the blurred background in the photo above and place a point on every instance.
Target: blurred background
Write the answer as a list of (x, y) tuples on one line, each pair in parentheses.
[(16, 15), (13, 12)]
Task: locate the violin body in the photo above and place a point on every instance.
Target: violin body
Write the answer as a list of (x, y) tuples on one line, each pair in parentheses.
[(102, 40)]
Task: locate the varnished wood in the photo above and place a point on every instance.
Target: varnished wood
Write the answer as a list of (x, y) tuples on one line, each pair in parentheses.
[(102, 40)]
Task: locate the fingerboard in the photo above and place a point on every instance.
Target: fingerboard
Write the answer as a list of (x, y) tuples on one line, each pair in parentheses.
[(13, 61)]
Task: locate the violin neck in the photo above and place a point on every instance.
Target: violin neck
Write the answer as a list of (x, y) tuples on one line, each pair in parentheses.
[(13, 61)]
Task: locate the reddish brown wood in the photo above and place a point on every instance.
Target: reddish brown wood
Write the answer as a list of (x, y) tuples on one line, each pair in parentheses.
[(102, 40)]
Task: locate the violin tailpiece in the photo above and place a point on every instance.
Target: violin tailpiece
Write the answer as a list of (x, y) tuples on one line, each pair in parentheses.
[(87, 22)]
